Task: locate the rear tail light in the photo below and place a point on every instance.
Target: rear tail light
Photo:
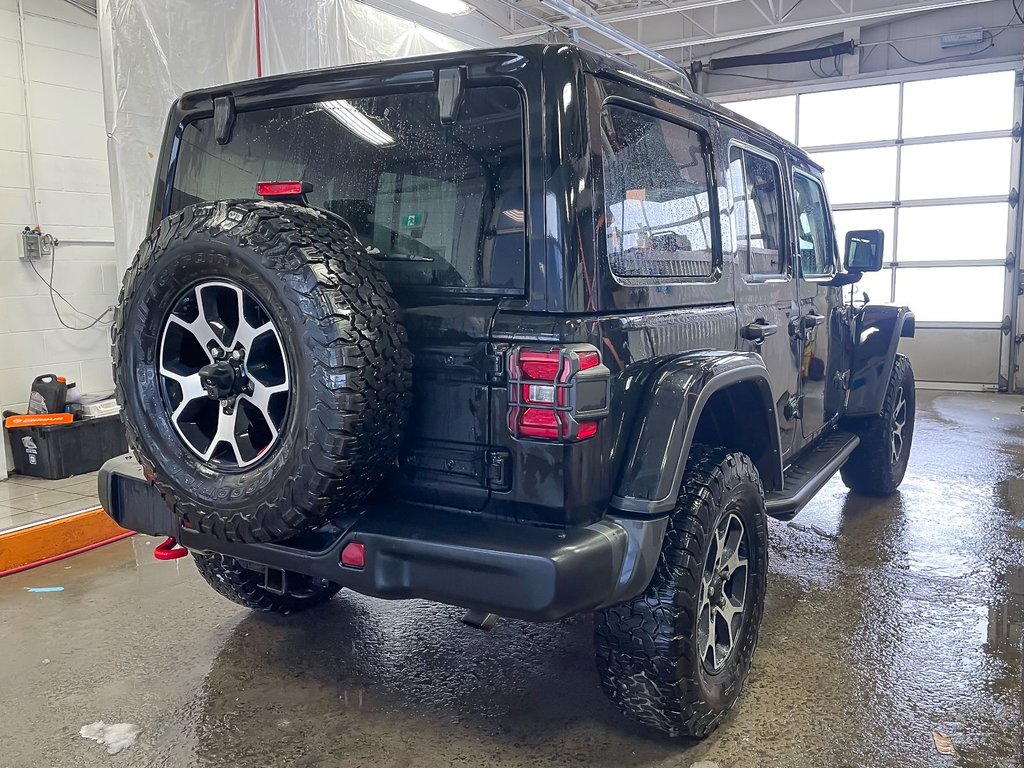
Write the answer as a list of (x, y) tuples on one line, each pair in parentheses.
[(556, 393)]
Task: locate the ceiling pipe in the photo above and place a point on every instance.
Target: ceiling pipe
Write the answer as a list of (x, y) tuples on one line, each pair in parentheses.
[(614, 18), (847, 20), (613, 34), (767, 59)]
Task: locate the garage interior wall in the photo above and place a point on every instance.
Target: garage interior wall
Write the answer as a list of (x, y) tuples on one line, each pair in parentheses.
[(152, 53), (53, 172)]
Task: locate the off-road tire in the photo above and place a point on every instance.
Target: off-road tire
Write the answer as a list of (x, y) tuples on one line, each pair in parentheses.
[(647, 651), (343, 341), (243, 586), (871, 469)]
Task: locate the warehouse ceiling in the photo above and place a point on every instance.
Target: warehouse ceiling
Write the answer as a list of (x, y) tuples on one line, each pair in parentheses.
[(685, 30), (666, 26)]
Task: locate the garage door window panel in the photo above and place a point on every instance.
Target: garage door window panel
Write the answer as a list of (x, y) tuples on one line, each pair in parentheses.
[(955, 169), (860, 175), (951, 105), (850, 115), (777, 114), (953, 232), (952, 294)]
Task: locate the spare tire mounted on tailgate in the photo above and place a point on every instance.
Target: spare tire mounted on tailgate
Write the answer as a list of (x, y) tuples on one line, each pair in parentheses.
[(261, 368)]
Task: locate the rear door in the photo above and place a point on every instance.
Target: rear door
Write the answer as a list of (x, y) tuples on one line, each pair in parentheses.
[(766, 288)]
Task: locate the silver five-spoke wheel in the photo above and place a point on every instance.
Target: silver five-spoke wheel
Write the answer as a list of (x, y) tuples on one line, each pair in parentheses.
[(899, 421), (224, 374), (723, 593)]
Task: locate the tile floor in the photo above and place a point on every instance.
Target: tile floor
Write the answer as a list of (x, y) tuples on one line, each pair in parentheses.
[(25, 500)]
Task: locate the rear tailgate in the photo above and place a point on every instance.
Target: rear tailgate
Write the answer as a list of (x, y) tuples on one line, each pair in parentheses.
[(447, 457)]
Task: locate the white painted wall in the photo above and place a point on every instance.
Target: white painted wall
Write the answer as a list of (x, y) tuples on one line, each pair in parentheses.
[(65, 130)]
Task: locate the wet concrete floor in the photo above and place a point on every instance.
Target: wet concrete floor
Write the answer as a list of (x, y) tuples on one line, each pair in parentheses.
[(887, 620)]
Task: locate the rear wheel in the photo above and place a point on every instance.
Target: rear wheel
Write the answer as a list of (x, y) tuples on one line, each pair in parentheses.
[(877, 466), (246, 587), (677, 656)]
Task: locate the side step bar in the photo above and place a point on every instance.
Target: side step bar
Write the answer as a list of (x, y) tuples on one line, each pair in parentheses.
[(806, 476)]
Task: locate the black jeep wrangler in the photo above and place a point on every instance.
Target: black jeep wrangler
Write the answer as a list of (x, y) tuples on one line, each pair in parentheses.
[(520, 330)]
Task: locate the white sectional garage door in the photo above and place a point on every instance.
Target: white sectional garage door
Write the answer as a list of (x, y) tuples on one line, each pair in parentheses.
[(933, 162)]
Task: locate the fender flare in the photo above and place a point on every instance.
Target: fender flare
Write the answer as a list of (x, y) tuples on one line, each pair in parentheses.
[(656, 458), (878, 332)]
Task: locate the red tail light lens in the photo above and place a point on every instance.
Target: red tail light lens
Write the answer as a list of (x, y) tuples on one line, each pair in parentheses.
[(557, 393), (279, 188), (540, 366), (535, 422), (354, 555)]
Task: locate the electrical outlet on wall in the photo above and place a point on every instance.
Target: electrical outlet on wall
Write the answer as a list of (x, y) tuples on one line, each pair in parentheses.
[(31, 245), (35, 244)]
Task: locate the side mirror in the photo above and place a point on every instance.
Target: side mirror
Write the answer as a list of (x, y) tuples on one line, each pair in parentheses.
[(864, 249)]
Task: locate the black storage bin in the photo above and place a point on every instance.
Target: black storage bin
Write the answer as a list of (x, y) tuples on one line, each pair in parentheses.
[(63, 450)]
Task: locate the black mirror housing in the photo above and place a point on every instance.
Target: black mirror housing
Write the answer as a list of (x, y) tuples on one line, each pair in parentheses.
[(864, 250)]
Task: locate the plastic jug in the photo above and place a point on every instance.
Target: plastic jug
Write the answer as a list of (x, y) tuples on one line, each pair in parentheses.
[(49, 394)]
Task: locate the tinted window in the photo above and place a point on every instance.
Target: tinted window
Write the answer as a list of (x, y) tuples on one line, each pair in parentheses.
[(812, 226), (442, 203), (757, 212), (657, 203)]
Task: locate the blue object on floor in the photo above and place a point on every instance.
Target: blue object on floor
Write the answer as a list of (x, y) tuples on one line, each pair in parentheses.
[(44, 589)]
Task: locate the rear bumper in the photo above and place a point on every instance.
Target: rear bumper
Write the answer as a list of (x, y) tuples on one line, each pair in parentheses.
[(521, 571)]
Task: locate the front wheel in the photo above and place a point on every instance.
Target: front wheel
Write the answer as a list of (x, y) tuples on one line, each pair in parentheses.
[(677, 656), (877, 466)]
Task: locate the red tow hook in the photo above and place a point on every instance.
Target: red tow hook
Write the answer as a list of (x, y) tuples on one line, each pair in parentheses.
[(169, 550)]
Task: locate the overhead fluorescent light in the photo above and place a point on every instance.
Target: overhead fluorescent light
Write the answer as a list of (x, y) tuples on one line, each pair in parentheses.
[(357, 122), (450, 7)]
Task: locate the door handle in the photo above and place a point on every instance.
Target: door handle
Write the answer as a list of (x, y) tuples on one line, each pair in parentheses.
[(811, 321), (758, 331)]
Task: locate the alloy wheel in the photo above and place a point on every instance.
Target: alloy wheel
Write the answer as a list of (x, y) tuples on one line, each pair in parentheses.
[(723, 593), (899, 422), (224, 374)]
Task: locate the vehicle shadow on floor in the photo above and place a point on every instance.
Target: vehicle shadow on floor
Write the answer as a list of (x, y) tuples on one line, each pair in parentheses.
[(393, 674)]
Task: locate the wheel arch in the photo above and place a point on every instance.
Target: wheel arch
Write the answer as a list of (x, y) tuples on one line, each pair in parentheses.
[(699, 397), (878, 333)]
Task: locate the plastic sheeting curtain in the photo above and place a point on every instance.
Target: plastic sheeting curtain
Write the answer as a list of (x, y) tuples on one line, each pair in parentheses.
[(153, 51)]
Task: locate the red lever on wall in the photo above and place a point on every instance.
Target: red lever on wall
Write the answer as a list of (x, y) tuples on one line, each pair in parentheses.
[(169, 550)]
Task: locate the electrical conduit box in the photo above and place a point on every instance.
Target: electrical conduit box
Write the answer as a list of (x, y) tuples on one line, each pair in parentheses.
[(35, 244)]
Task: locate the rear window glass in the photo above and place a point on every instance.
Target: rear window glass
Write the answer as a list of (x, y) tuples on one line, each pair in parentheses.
[(657, 198), (442, 203)]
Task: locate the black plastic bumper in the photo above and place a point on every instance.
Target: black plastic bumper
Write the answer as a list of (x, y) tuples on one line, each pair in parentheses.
[(411, 551)]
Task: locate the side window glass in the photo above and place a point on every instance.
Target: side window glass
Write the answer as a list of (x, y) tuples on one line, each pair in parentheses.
[(657, 195), (738, 193), (814, 240), (757, 211)]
